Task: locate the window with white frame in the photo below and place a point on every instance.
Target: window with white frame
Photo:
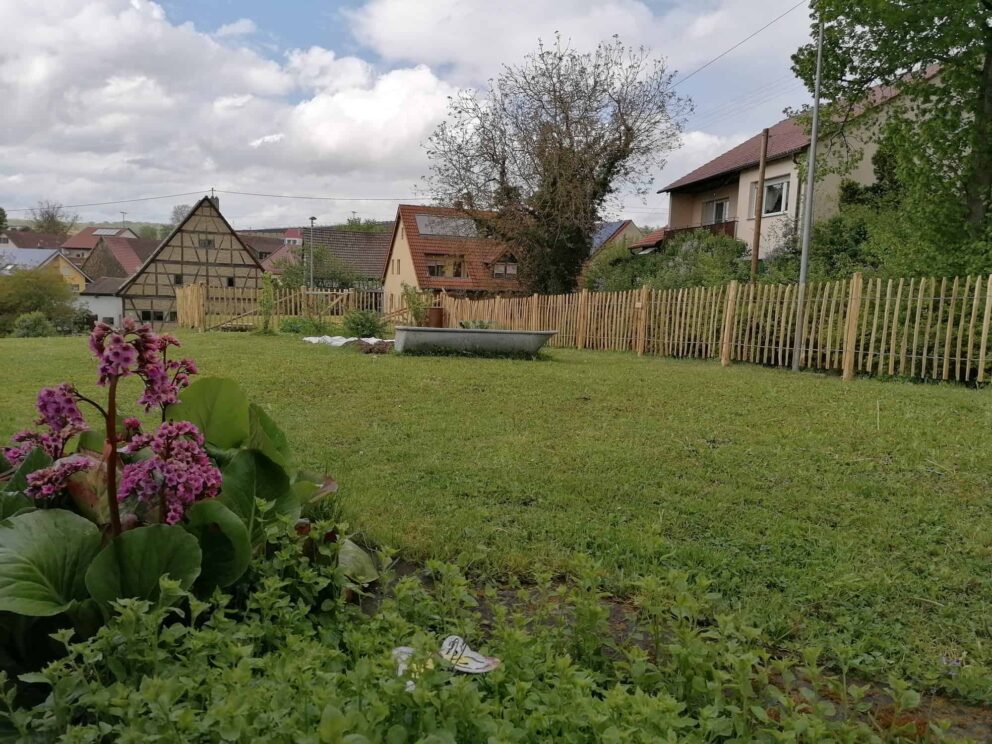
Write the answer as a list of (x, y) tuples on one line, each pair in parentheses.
[(716, 211), (776, 199)]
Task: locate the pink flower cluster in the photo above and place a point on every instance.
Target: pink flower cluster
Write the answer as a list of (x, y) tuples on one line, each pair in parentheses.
[(136, 349), (45, 483), (179, 473), (57, 410)]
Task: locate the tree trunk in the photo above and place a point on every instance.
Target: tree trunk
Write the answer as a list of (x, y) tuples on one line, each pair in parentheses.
[(978, 187)]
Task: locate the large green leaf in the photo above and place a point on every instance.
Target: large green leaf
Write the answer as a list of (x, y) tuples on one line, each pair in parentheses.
[(218, 407), (266, 436), (133, 562), (250, 477), (224, 541), (12, 502), (44, 556), (355, 563), (36, 459)]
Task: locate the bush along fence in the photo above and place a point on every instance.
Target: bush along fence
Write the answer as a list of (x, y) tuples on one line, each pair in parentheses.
[(923, 328), (227, 308)]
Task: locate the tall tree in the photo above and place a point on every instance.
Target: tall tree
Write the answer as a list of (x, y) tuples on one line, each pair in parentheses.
[(179, 213), (52, 217), (549, 144), (3, 219), (939, 56)]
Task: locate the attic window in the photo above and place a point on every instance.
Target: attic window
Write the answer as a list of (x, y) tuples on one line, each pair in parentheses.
[(230, 281), (505, 268), (445, 266), (206, 242), (177, 280)]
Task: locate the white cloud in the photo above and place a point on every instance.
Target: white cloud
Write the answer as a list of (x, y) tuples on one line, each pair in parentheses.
[(267, 140), (240, 27)]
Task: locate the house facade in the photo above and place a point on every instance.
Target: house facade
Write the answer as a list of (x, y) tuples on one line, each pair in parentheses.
[(439, 248), (202, 249), (73, 275)]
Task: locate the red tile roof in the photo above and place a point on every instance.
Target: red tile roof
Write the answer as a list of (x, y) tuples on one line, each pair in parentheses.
[(32, 239), (651, 239), (87, 238), (130, 253), (267, 244), (784, 139), (479, 253)]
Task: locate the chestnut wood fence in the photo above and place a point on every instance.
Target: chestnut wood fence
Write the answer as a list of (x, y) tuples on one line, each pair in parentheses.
[(924, 328), (227, 308)]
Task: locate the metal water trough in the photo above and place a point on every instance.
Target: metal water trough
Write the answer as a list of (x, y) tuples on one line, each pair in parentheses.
[(470, 340)]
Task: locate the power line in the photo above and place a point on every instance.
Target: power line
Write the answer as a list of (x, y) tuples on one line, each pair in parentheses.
[(118, 201), (738, 44), (327, 198)]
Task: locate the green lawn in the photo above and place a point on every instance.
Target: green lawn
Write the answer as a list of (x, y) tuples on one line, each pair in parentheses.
[(850, 516)]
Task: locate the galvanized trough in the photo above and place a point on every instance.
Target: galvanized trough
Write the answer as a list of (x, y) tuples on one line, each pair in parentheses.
[(470, 340)]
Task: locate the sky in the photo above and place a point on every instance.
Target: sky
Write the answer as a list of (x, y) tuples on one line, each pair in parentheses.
[(103, 100)]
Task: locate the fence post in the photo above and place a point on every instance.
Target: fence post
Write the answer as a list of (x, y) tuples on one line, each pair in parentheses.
[(642, 320), (202, 306), (729, 312), (851, 331), (582, 322)]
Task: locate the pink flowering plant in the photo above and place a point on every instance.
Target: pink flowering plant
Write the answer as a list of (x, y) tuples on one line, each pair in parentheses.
[(178, 473)]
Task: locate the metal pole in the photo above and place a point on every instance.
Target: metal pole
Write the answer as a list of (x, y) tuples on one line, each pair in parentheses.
[(311, 251), (759, 207), (808, 209)]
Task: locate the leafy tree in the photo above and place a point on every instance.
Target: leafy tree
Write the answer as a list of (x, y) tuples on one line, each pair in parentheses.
[(328, 270), (52, 217), (549, 144), (3, 219), (940, 128), (364, 224), (149, 232), (44, 290)]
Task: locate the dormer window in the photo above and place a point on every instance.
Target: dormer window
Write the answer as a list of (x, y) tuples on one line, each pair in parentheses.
[(443, 265), (505, 268)]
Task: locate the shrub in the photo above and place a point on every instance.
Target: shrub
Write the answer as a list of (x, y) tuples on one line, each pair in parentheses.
[(417, 302), (364, 324), (304, 327), (41, 290), (32, 325)]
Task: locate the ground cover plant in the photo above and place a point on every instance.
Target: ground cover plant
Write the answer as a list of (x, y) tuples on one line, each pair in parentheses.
[(849, 517)]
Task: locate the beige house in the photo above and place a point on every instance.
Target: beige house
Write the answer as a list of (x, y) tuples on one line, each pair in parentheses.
[(202, 249), (439, 248)]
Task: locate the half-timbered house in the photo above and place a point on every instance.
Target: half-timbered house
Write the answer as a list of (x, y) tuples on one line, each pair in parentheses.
[(202, 249)]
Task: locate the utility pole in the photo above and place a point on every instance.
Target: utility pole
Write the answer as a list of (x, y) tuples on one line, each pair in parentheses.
[(123, 216), (808, 208), (759, 207), (312, 220)]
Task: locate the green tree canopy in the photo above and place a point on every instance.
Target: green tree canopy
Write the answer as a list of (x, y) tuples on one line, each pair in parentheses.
[(42, 290), (938, 55)]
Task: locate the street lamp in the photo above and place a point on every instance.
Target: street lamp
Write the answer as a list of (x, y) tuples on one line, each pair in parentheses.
[(312, 220)]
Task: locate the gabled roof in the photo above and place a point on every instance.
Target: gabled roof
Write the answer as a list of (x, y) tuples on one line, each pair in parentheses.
[(605, 232), (31, 239), (88, 237), (268, 244), (25, 258), (130, 253), (69, 261), (168, 238), (784, 139), (451, 232), (105, 285), (365, 252)]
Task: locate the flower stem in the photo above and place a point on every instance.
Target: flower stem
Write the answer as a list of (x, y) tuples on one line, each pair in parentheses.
[(115, 515)]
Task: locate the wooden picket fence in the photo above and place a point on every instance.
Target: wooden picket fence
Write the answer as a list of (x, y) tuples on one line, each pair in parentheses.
[(922, 328), (227, 308)]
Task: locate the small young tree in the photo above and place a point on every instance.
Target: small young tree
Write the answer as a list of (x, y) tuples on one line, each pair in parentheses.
[(549, 144), (42, 290), (52, 217), (178, 214), (328, 270)]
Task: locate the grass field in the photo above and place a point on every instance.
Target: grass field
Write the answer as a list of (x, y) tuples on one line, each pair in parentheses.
[(849, 516)]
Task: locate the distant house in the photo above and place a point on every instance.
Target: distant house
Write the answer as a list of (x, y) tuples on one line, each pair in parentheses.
[(262, 245), (26, 259), (22, 237), (203, 249), (100, 298), (440, 248), (118, 257), (80, 244), (361, 252), (618, 232)]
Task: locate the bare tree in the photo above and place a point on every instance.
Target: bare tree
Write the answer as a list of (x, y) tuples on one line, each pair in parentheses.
[(51, 217), (549, 145), (179, 213)]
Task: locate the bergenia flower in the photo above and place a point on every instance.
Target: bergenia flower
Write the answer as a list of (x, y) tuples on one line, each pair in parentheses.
[(46, 483), (59, 411), (178, 474)]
